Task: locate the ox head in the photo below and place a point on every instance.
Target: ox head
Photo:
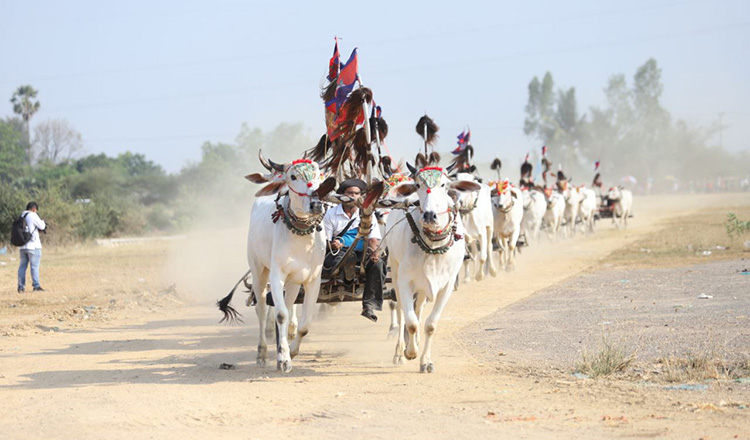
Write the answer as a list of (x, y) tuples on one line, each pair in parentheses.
[(502, 196), (614, 193), (436, 193), (527, 199), (302, 180), (466, 199)]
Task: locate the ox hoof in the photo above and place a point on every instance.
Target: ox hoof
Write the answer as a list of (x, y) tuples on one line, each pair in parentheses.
[(284, 367), (293, 350), (260, 361), (427, 368), (398, 360)]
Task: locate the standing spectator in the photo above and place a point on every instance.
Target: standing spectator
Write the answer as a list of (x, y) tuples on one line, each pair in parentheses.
[(31, 252)]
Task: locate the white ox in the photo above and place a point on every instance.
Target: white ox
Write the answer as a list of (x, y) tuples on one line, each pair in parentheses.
[(555, 209), (425, 269), (623, 202), (587, 209), (477, 217), (286, 248), (534, 208), (507, 204), (572, 205)]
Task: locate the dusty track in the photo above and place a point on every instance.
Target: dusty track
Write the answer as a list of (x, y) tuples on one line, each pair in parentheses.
[(158, 378)]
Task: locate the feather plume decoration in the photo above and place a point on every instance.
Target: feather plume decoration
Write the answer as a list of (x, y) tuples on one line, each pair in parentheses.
[(427, 124)]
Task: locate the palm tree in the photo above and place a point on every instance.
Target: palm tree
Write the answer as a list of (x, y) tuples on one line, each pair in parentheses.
[(24, 104)]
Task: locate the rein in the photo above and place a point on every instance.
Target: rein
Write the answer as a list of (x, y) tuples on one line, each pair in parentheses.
[(468, 210), (445, 233), (296, 225), (507, 210)]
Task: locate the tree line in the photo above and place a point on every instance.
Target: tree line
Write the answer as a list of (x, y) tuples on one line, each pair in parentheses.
[(632, 134), (88, 196)]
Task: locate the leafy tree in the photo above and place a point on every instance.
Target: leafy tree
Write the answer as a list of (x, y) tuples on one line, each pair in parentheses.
[(553, 119), (13, 159)]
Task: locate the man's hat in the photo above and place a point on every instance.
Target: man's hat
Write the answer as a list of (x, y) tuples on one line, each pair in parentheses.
[(346, 184)]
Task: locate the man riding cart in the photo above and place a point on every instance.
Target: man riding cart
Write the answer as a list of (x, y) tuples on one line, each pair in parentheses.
[(344, 249)]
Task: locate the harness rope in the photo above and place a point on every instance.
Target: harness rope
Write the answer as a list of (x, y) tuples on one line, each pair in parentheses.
[(296, 225), (468, 210), (452, 235)]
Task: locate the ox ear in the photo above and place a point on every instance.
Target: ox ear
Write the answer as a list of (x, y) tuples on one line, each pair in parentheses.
[(326, 187), (256, 178), (405, 190), (373, 193), (513, 194), (271, 188), (458, 186), (465, 185)]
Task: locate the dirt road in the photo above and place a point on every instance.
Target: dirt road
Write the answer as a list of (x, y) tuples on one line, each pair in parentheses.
[(159, 377)]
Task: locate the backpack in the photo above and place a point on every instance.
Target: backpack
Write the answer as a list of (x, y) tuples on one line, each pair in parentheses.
[(19, 232)]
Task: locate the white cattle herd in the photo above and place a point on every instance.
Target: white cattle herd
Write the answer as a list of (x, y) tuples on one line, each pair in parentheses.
[(437, 220)]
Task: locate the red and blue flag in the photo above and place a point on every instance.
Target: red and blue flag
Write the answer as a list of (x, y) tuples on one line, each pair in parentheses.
[(335, 63), (463, 141)]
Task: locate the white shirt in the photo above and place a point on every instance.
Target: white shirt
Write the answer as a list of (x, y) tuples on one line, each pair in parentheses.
[(336, 220), (34, 223)]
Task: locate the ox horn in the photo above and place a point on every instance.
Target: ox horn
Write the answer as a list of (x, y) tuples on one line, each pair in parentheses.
[(412, 170), (263, 161), (275, 166)]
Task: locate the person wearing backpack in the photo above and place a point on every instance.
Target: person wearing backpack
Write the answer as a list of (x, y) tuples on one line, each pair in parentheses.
[(31, 251)]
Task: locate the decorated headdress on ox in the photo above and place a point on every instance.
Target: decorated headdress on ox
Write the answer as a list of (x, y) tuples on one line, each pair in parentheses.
[(301, 177)]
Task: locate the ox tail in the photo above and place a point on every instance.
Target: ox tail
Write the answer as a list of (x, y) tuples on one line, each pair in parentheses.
[(231, 315)]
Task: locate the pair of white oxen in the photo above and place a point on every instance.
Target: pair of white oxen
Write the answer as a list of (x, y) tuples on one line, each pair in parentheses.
[(425, 253)]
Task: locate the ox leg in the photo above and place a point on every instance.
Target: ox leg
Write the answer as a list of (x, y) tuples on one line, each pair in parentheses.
[(512, 252), (394, 319), (261, 311), (468, 264), (425, 362), (398, 357), (481, 262), (283, 359), (270, 318), (293, 322), (488, 250), (312, 289), (411, 321)]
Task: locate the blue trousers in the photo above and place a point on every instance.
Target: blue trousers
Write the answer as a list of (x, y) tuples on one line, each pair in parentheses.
[(33, 256)]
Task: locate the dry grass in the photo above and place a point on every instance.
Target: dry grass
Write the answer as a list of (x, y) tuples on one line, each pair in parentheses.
[(609, 359), (696, 367), (82, 283), (694, 239)]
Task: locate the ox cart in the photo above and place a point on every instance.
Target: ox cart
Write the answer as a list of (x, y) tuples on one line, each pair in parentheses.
[(604, 208), (342, 281)]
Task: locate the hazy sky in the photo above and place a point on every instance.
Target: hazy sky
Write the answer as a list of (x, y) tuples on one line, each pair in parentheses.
[(162, 77)]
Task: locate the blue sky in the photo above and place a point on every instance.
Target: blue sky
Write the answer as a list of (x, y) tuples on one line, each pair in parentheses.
[(161, 78)]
